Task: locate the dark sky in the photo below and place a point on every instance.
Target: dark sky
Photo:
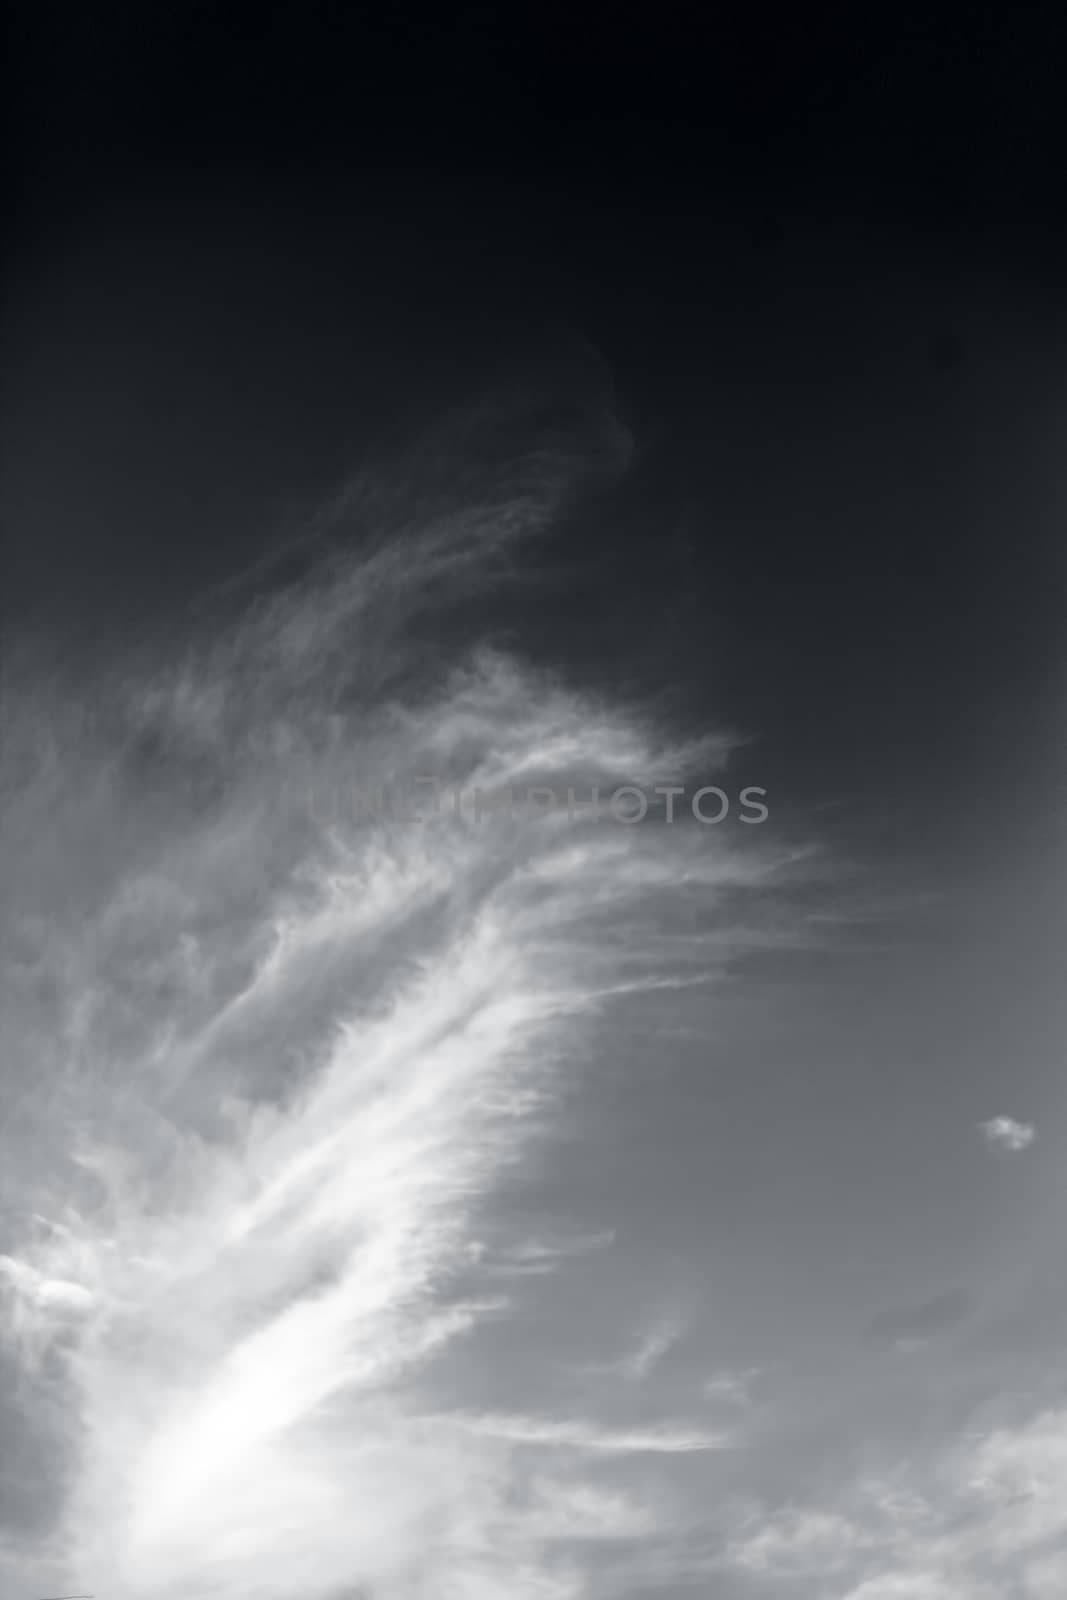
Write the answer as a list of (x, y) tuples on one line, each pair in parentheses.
[(819, 254)]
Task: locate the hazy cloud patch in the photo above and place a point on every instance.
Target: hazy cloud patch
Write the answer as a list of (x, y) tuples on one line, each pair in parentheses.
[(911, 1326), (1004, 1133)]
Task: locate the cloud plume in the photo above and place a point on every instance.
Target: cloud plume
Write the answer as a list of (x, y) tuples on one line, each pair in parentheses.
[(269, 1068)]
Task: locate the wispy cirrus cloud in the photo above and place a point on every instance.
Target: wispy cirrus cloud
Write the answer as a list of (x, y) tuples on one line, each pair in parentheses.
[(981, 1515), (731, 1388), (271, 1069), (580, 1435), (652, 1348)]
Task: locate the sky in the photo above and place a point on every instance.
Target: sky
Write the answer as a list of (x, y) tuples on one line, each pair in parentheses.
[(499, 1201)]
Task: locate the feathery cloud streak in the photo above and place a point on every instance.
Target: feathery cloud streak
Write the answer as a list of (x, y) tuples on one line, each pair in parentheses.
[(268, 1070)]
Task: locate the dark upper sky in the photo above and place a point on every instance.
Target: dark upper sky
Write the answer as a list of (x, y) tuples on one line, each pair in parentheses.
[(820, 254)]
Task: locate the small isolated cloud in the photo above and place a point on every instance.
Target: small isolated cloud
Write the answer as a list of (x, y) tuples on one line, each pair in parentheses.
[(731, 1388), (1004, 1133), (652, 1348)]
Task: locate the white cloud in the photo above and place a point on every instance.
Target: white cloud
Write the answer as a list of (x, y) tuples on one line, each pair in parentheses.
[(651, 1348), (535, 1257), (984, 1516), (731, 1388), (1004, 1133), (286, 1062), (579, 1435)]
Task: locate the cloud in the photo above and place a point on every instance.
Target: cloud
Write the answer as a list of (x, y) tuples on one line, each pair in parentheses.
[(911, 1326), (273, 1065), (914, 1586), (796, 1543), (982, 1516), (651, 1349), (577, 1435), (1004, 1133), (731, 1388), (536, 1257)]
